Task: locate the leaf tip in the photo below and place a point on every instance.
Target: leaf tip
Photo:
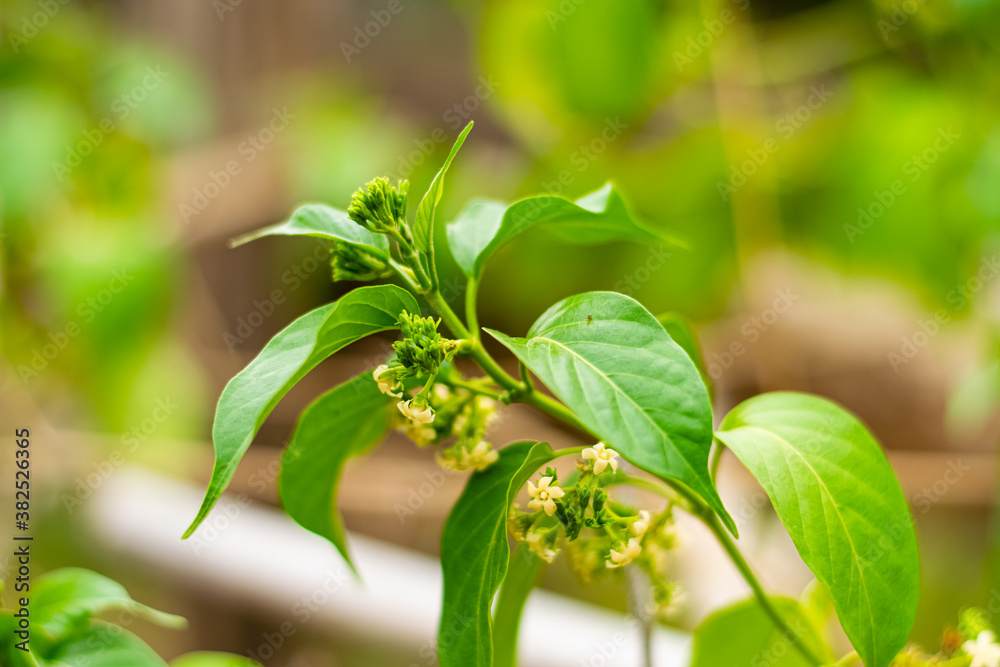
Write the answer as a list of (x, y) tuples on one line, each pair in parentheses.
[(203, 511), (730, 525), (165, 619), (242, 240)]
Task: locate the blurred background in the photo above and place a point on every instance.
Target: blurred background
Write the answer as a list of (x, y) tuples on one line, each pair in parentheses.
[(833, 164)]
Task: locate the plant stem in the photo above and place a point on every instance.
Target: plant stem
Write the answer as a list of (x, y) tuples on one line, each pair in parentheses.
[(471, 316), (451, 320), (475, 388), (714, 458), (409, 255), (640, 483), (638, 595), (569, 451), (406, 275), (526, 376), (554, 409)]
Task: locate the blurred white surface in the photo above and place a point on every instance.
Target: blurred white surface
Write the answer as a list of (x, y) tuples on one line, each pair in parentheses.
[(258, 556)]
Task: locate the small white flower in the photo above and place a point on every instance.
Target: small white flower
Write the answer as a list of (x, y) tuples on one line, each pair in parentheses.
[(626, 555), (421, 434), (543, 497), (417, 415), (534, 542), (602, 457), (442, 392), (385, 386), (448, 463), (481, 457), (640, 525), (985, 651), (460, 459)]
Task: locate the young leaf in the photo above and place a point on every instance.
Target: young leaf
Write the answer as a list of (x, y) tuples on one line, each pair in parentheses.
[(63, 598), (837, 496), (614, 365), (251, 396), (344, 422), (104, 645), (475, 553), (744, 635), (525, 568), (321, 222), (423, 224), (598, 217)]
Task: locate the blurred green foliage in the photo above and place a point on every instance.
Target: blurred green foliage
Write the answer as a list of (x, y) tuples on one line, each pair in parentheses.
[(892, 78), (90, 271)]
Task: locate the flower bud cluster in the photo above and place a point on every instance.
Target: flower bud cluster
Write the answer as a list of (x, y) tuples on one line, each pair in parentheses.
[(422, 350), (379, 207), (436, 412), (598, 533), (356, 263)]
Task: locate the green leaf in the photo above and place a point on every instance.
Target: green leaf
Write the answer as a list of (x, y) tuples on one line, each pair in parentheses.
[(837, 496), (423, 224), (63, 599), (104, 645), (525, 568), (323, 222), (344, 422), (598, 217), (475, 553), (251, 396), (744, 635), (682, 332), (211, 659), (615, 366)]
